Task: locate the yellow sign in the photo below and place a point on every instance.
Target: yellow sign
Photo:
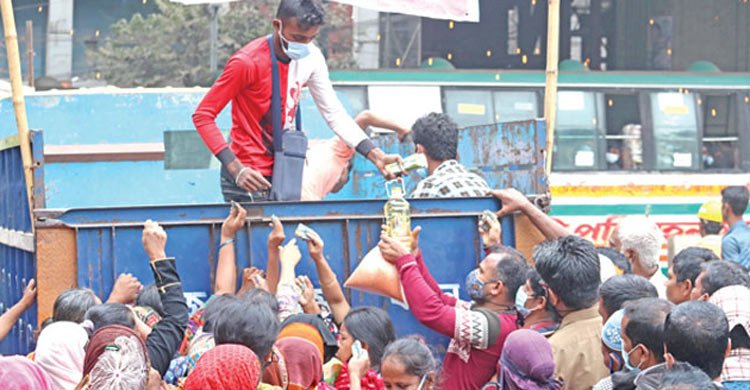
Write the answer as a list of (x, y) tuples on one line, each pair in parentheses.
[(471, 109)]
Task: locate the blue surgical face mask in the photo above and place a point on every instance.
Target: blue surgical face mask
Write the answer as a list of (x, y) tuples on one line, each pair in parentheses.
[(521, 298), (293, 50), (474, 286), (626, 358)]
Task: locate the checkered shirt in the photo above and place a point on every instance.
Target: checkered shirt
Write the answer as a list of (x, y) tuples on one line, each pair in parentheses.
[(451, 180), (735, 302)]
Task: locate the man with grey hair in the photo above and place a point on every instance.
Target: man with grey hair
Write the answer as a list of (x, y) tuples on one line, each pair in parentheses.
[(640, 239)]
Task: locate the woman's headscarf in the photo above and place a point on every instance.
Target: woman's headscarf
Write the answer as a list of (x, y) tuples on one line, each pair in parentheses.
[(116, 358), (330, 345), (60, 353), (20, 373), (527, 362), (227, 366), (304, 365), (297, 361)]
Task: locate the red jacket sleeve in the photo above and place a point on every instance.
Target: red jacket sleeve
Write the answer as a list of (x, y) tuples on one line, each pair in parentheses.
[(434, 286), (233, 80), (431, 311)]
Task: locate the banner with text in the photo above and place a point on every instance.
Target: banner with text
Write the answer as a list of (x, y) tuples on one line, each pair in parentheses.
[(458, 10)]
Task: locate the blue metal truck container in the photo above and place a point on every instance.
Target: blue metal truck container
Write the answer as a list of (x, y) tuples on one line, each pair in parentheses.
[(108, 242), (85, 246), (17, 260)]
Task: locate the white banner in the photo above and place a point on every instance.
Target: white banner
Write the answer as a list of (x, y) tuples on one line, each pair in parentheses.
[(458, 10)]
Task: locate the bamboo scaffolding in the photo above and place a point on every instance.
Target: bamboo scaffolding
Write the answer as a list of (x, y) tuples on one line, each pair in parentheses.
[(16, 82), (550, 87)]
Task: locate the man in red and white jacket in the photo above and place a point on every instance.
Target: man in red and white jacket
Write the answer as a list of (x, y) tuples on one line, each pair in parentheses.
[(247, 163)]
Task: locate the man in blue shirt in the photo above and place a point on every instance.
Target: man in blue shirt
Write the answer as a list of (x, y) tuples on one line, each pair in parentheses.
[(735, 246)]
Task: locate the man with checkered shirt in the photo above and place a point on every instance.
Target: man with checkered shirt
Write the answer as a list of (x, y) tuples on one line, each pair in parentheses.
[(436, 136)]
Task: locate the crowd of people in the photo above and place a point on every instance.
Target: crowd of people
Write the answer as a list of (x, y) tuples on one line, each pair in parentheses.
[(572, 316), (556, 320)]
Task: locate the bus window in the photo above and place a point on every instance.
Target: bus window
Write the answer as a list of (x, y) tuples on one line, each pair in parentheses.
[(511, 106), (469, 107), (675, 126), (623, 133), (355, 97), (579, 131), (720, 139)]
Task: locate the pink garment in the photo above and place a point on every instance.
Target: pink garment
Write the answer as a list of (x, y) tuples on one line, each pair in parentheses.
[(20, 373), (472, 357), (326, 160), (60, 352)]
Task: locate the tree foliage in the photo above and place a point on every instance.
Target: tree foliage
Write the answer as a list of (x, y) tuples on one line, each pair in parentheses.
[(171, 47)]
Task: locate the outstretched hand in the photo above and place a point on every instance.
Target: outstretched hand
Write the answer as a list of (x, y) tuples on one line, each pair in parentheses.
[(154, 240), (234, 222), (126, 290), (511, 199), (289, 254), (277, 237), (493, 235), (29, 294), (315, 246), (391, 249)]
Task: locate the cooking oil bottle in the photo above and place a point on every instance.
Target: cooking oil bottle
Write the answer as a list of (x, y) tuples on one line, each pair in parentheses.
[(397, 212)]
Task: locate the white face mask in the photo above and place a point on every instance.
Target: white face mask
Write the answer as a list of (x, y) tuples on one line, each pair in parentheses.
[(612, 158)]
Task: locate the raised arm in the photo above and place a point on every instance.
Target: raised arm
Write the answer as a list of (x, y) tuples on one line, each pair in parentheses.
[(368, 118), (275, 239), (513, 201), (167, 334), (341, 123), (9, 318), (426, 304), (288, 292), (330, 286), (226, 269)]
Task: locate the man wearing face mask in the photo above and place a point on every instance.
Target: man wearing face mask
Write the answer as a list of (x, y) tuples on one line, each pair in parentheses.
[(477, 330), (247, 81), (613, 158), (643, 343), (535, 312)]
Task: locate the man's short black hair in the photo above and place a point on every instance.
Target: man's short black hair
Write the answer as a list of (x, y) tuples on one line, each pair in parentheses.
[(697, 332), (623, 288), (719, 274), (737, 198), (688, 263), (253, 325), (110, 314), (685, 376), (646, 324), (695, 251), (309, 13), (438, 134), (570, 267), (511, 269)]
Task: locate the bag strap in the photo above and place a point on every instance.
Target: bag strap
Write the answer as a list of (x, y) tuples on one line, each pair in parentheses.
[(276, 102)]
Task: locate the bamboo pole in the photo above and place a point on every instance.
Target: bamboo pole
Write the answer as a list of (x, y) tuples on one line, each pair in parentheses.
[(550, 88), (30, 52), (16, 83)]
